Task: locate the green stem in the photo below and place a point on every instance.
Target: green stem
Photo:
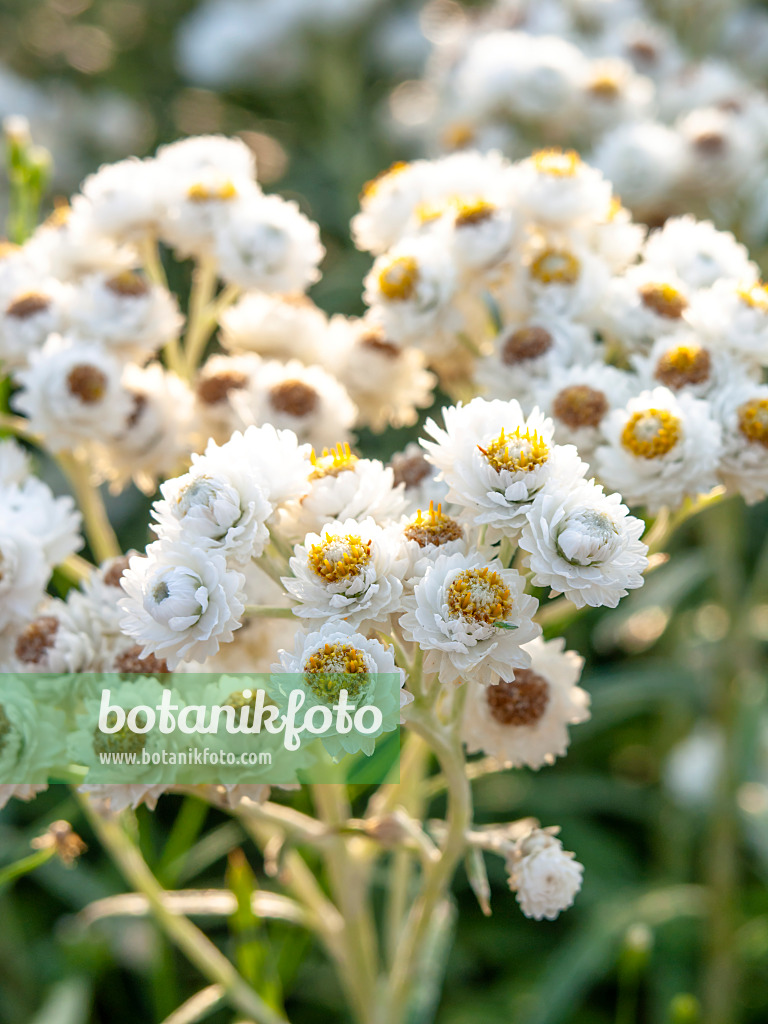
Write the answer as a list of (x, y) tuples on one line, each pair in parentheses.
[(25, 865), (98, 529), (196, 946), (267, 611), (200, 322)]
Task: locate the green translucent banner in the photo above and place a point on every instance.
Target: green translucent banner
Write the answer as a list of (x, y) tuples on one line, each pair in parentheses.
[(194, 729)]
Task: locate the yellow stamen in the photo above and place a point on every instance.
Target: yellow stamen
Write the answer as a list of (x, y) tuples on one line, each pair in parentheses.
[(556, 163), (433, 529), (337, 558), (516, 451), (332, 461), (480, 595), (651, 433), (556, 266), (754, 295), (398, 279), (334, 668), (202, 193), (753, 420)]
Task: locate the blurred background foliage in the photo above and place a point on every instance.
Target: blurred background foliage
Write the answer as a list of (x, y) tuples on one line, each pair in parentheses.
[(676, 861)]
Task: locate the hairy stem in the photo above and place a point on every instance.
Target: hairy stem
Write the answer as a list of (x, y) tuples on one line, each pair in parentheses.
[(98, 529)]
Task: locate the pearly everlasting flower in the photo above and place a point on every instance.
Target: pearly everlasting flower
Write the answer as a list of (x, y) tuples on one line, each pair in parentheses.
[(660, 449), (218, 387), (305, 399), (643, 304), (528, 353), (15, 465), (686, 361), (412, 290), (429, 534), (557, 189), (495, 461), (734, 317), (578, 399), (342, 486), (72, 393), (277, 326), (227, 512), (181, 601), (53, 522), (337, 657), (55, 640), (698, 254), (564, 278), (471, 618), (545, 878), (265, 242), (276, 457), (122, 200), (523, 720), (352, 571), (126, 313), (584, 544), (24, 570), (645, 161), (742, 410), (155, 437), (387, 382), (35, 309)]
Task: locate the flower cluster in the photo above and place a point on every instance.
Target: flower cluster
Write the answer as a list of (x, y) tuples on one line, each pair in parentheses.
[(674, 132), (529, 281)]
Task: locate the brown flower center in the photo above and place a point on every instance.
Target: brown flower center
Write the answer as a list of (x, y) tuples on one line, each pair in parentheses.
[(26, 306), (410, 469), (36, 639), (294, 398), (128, 283), (87, 383), (520, 702), (664, 299), (216, 388), (524, 344), (380, 345), (685, 364), (433, 529), (132, 662), (114, 573), (710, 143), (580, 406)]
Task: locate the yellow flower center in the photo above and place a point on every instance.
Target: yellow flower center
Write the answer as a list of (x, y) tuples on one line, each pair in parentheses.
[(473, 211), (332, 461), (397, 281), (199, 192), (753, 420), (480, 595), (556, 266), (128, 284), (371, 187), (556, 163), (430, 210), (605, 86), (685, 364), (664, 299), (123, 741), (754, 295), (333, 668), (337, 559), (458, 135), (651, 433), (433, 529), (516, 451)]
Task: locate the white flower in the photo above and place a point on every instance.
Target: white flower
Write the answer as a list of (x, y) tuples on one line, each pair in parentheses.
[(181, 602), (698, 254), (218, 385), (564, 278), (157, 434), (412, 289), (202, 154), (24, 570), (337, 657), (351, 571), (421, 481), (72, 393), (645, 161), (528, 352), (524, 719), (53, 522), (282, 464), (265, 242), (14, 462), (685, 361), (29, 315), (342, 486), (584, 544), (69, 245), (123, 200), (54, 641), (126, 313), (227, 512), (495, 460), (387, 382), (558, 189), (643, 304), (113, 797), (305, 399), (545, 877), (742, 410), (734, 317), (387, 204), (472, 619), (21, 792), (660, 449), (578, 398), (429, 534), (277, 326)]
